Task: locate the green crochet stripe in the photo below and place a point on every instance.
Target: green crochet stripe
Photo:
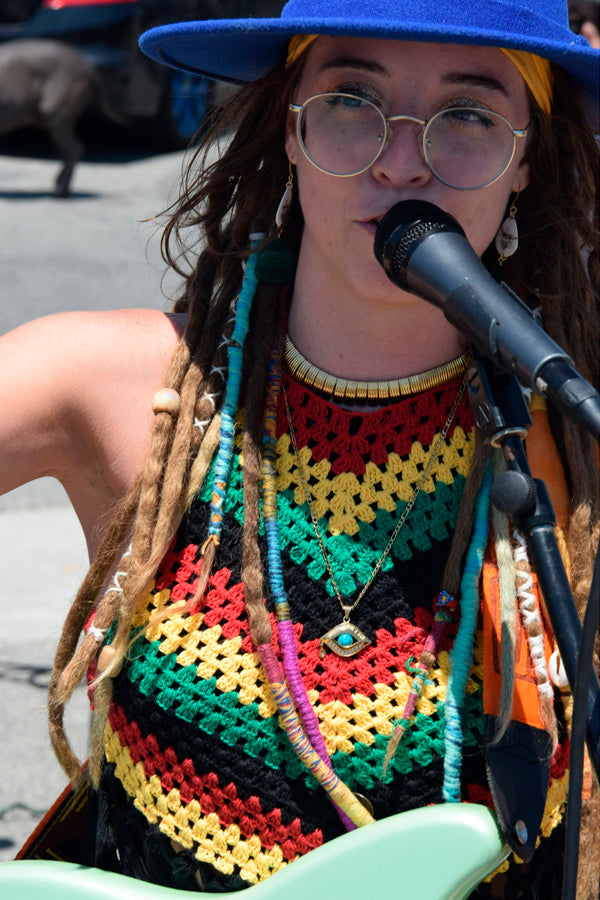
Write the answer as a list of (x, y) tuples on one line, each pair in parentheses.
[(233, 501), (353, 557), (177, 689), (423, 741)]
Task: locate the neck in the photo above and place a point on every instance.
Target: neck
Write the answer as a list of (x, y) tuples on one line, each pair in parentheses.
[(352, 339)]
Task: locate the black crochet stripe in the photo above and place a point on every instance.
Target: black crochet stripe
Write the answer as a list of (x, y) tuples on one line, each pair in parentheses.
[(276, 790), (394, 593)]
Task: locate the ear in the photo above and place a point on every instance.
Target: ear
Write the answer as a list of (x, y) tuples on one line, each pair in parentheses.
[(291, 142), (522, 177)]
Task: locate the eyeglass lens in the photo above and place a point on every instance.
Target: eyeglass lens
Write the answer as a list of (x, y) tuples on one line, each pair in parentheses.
[(464, 147)]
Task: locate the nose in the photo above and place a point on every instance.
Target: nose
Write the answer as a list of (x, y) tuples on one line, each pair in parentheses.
[(401, 161)]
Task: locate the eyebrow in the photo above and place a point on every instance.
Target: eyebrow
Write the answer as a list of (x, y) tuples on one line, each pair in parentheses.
[(467, 78), (475, 80), (354, 62)]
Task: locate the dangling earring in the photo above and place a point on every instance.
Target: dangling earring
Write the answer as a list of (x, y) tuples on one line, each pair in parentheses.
[(276, 263), (507, 238), (285, 203)]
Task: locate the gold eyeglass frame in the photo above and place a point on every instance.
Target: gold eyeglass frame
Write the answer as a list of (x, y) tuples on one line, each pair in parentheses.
[(425, 123)]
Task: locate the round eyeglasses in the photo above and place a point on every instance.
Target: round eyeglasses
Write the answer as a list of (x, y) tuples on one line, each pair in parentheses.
[(466, 147)]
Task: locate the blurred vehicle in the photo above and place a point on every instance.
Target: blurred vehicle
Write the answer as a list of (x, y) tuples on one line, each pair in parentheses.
[(169, 105)]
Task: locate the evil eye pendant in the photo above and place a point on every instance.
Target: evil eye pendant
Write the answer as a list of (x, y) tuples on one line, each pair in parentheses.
[(344, 640)]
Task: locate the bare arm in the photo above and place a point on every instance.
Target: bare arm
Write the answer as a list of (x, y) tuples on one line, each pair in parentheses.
[(36, 424), (75, 403)]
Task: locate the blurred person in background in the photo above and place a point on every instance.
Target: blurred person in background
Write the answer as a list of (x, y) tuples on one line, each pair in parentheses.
[(584, 18)]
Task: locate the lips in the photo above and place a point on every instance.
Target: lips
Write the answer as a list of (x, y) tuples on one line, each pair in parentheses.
[(371, 224), (373, 220)]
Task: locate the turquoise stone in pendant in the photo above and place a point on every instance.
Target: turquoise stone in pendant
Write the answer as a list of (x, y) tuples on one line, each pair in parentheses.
[(345, 639)]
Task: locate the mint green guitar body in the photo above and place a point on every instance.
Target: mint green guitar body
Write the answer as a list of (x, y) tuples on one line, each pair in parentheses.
[(434, 853)]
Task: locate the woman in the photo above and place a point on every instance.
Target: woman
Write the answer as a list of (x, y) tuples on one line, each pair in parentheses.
[(312, 445)]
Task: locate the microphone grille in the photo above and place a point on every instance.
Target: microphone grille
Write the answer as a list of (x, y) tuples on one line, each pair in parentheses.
[(402, 228), (406, 244)]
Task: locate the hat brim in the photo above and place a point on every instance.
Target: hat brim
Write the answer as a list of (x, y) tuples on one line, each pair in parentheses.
[(242, 50)]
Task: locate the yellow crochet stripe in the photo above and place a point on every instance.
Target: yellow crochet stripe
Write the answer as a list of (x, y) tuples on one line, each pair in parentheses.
[(221, 846), (342, 725), (346, 499), (211, 653)]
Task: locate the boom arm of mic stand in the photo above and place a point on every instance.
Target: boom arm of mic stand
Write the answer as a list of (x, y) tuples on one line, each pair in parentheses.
[(495, 401)]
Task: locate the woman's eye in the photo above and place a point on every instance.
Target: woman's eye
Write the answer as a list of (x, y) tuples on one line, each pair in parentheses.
[(480, 118), (349, 102), (345, 100)]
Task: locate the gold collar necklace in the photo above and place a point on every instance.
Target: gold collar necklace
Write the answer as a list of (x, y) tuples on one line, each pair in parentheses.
[(336, 388)]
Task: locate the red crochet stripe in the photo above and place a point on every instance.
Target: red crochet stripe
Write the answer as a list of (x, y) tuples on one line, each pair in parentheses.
[(224, 604), (560, 760), (349, 442), (340, 679), (475, 793), (333, 677), (212, 797), (179, 572)]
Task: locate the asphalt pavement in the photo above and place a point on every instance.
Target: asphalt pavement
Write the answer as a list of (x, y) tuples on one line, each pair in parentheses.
[(95, 250)]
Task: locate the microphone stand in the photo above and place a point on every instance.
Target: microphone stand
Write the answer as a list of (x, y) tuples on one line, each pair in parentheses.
[(503, 419)]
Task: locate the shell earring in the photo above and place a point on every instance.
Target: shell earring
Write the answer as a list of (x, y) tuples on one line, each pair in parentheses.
[(507, 238), (285, 203)]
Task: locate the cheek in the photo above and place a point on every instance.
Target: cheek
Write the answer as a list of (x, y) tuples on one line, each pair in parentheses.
[(482, 219), (321, 197)]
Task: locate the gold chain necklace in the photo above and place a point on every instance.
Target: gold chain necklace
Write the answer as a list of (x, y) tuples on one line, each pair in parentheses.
[(378, 391), (346, 639)]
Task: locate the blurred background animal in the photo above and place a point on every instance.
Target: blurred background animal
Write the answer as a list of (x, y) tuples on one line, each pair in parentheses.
[(48, 84)]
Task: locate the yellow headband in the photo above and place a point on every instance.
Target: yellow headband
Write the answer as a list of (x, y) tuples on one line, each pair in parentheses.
[(537, 75), (534, 70), (297, 46)]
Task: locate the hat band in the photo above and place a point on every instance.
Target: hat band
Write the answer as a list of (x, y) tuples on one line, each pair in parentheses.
[(534, 70)]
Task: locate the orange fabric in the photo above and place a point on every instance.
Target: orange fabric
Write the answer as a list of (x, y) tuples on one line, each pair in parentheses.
[(526, 703), (297, 46), (545, 462)]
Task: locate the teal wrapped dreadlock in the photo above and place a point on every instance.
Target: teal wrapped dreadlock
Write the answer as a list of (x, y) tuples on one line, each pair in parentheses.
[(235, 353)]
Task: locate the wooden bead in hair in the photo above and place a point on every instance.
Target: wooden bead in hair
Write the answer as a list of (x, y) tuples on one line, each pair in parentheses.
[(166, 400)]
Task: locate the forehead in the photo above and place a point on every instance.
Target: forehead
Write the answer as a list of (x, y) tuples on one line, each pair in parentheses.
[(413, 63)]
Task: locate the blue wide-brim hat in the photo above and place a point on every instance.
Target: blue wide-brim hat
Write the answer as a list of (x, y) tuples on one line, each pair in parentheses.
[(242, 50)]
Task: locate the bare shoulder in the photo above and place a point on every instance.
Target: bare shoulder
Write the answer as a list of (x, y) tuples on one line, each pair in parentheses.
[(74, 336), (76, 358), (76, 394), (90, 337)]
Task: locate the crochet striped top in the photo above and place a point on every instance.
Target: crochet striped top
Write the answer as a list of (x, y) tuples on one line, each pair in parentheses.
[(193, 744)]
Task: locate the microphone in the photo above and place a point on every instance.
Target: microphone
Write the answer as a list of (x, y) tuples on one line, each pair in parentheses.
[(425, 251)]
